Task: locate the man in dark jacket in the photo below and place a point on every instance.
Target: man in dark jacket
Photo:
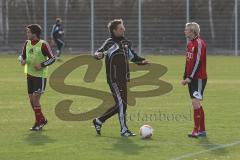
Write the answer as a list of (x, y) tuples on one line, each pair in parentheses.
[(117, 51), (57, 36)]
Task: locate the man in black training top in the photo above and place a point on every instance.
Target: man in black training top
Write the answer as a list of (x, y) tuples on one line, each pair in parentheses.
[(57, 34), (117, 51)]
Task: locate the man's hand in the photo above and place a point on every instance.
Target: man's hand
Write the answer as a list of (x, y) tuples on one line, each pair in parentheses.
[(38, 66), (21, 60), (98, 55), (144, 62), (186, 81), (61, 32)]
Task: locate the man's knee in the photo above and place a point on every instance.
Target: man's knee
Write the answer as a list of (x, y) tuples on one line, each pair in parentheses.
[(196, 103), (36, 99)]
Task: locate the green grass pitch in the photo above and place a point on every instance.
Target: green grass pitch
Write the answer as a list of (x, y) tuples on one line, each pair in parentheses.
[(76, 140)]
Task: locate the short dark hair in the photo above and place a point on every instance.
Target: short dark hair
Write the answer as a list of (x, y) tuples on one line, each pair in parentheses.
[(58, 20), (113, 24), (35, 29)]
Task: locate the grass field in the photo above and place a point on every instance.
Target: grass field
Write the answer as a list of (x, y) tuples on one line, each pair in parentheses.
[(75, 140)]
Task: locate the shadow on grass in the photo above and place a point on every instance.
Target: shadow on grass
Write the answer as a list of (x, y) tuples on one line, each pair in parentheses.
[(127, 146), (38, 138), (213, 148)]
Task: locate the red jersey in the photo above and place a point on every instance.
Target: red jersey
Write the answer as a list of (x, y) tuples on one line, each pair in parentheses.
[(195, 67)]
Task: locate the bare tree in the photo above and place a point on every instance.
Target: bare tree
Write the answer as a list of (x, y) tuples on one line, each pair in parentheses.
[(57, 6), (27, 10), (66, 14), (5, 21), (211, 19), (1, 20)]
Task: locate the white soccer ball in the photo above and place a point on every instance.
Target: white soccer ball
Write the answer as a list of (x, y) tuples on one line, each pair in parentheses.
[(146, 131)]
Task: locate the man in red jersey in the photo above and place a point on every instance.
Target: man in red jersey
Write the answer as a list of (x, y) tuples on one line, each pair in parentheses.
[(195, 75)]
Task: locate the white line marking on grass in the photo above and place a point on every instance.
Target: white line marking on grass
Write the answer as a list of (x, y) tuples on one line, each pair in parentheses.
[(208, 150)]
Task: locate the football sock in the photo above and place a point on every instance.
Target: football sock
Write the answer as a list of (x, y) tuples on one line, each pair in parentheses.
[(197, 117), (202, 120), (38, 115)]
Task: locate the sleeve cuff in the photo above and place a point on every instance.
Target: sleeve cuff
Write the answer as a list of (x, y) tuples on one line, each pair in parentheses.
[(190, 78)]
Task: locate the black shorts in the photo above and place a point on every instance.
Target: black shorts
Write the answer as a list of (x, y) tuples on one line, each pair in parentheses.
[(36, 84), (196, 88)]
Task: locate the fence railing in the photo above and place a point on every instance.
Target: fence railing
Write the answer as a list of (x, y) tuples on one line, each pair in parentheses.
[(154, 26)]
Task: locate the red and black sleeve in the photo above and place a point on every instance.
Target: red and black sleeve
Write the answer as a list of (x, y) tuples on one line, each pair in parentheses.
[(23, 54), (46, 50), (197, 59)]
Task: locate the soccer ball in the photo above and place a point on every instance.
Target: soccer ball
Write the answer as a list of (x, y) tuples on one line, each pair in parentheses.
[(146, 131)]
